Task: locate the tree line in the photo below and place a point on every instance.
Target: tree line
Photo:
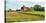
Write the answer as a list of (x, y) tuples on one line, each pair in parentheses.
[(35, 8)]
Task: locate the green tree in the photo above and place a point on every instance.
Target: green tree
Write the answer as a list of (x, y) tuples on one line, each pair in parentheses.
[(18, 10), (10, 10), (38, 8)]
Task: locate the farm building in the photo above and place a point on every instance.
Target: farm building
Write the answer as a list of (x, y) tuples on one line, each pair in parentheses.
[(23, 8)]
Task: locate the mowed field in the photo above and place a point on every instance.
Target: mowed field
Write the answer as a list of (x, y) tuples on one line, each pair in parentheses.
[(20, 17)]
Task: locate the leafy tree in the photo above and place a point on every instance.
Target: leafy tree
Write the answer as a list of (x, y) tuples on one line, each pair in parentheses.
[(10, 10), (18, 10), (38, 8)]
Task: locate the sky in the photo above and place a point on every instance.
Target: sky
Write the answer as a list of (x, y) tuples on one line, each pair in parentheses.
[(17, 4)]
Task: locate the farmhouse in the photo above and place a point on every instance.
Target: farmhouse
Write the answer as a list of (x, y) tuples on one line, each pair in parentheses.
[(23, 8)]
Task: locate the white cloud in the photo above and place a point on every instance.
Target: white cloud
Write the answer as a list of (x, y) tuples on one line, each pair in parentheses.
[(33, 0), (18, 3), (29, 0)]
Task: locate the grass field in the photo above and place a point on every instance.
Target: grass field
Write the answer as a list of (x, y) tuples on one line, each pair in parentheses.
[(35, 12), (20, 17)]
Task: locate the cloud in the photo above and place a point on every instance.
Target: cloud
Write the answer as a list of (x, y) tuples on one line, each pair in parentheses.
[(14, 4)]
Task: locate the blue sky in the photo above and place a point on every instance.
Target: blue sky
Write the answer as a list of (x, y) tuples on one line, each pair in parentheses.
[(14, 4)]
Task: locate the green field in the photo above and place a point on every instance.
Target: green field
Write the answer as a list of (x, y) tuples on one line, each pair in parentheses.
[(24, 16), (34, 12)]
